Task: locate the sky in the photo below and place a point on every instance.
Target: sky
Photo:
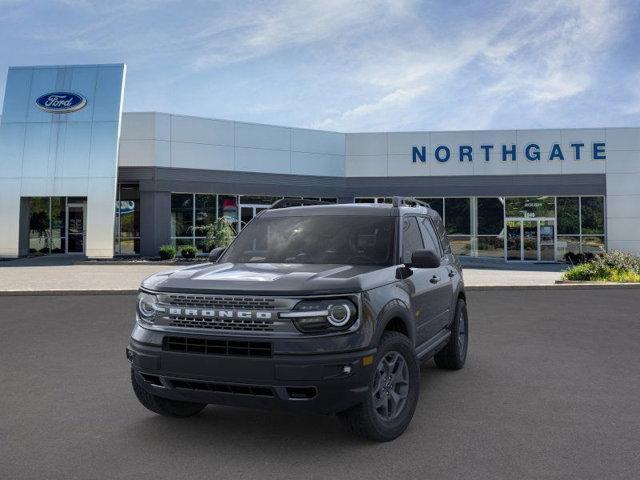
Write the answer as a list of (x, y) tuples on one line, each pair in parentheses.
[(350, 65)]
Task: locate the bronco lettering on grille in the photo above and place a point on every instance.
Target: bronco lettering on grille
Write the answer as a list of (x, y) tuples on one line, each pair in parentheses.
[(211, 313)]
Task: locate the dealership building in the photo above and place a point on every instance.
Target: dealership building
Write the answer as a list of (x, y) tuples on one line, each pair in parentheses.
[(79, 176)]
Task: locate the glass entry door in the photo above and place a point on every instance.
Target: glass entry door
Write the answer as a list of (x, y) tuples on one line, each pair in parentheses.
[(530, 240), (76, 220)]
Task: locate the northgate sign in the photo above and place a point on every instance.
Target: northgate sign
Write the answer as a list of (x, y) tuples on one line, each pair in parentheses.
[(531, 152)]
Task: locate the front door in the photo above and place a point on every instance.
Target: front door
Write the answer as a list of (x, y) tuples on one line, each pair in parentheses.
[(75, 227), (530, 240)]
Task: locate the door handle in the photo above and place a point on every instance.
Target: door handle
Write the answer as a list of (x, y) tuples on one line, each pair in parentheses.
[(452, 273), (435, 279)]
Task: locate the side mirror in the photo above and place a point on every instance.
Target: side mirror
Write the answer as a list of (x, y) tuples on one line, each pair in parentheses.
[(425, 259), (215, 254)]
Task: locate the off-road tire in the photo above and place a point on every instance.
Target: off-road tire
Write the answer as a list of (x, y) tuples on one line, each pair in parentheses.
[(454, 354), (164, 406), (363, 419)]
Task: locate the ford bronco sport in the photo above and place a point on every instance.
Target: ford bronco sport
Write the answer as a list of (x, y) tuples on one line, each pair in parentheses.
[(320, 308)]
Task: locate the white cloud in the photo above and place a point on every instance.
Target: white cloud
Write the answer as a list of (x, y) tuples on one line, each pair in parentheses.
[(350, 64), (538, 54)]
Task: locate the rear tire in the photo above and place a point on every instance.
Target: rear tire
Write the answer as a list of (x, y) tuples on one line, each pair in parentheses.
[(394, 388), (454, 354), (164, 406)]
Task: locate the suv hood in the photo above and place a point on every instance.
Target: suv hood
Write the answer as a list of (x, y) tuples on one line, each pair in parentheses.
[(270, 279)]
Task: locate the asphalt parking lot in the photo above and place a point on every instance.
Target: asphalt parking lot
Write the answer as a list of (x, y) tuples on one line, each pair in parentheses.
[(551, 390)]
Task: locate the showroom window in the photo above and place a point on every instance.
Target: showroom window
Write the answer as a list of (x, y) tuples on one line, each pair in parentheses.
[(530, 207), (490, 218), (127, 220), (592, 218), (457, 220), (57, 225), (581, 223), (190, 211)]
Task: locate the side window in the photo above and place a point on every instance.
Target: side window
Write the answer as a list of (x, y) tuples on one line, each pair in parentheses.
[(411, 238), (430, 237)]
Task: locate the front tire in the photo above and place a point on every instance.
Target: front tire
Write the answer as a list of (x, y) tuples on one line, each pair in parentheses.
[(164, 406), (454, 354), (393, 392)]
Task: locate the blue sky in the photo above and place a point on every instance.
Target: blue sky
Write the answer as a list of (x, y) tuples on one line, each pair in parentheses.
[(350, 65)]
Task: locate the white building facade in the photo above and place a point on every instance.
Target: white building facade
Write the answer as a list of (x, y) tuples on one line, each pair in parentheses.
[(518, 195)]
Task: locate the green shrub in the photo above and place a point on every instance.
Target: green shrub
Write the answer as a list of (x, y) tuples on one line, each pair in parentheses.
[(219, 233), (167, 252), (607, 267), (189, 251), (582, 271)]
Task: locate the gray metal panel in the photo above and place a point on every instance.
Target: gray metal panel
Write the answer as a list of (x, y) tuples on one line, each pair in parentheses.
[(155, 221), (208, 181), (485, 185)]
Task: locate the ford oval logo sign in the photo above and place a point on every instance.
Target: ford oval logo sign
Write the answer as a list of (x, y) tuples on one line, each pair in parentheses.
[(61, 102)]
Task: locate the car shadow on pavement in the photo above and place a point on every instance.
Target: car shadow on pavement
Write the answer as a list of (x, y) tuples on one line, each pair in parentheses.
[(221, 427)]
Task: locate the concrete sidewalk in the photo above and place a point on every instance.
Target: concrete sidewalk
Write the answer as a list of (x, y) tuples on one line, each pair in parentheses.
[(64, 274)]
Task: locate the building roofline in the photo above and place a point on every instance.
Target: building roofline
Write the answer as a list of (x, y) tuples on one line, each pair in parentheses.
[(378, 132)]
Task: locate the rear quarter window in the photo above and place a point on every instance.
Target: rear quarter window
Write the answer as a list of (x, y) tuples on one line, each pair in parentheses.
[(442, 233)]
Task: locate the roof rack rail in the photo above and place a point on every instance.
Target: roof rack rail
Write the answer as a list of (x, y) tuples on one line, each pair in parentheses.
[(409, 202), (296, 202)]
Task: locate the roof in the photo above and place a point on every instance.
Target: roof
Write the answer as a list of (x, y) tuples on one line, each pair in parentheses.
[(355, 209)]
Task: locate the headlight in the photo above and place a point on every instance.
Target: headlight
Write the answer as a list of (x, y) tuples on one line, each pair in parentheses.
[(147, 306), (314, 316)]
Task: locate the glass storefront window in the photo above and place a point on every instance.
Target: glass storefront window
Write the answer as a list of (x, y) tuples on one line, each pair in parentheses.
[(39, 225), (127, 226), (181, 214), (593, 244), (567, 244), (568, 215), (490, 216), (460, 244), (228, 209), (530, 207), (490, 246), (205, 210), (592, 214), (457, 216), (48, 229)]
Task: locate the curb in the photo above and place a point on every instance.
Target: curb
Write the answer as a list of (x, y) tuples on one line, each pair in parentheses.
[(472, 288), (22, 293), (556, 286)]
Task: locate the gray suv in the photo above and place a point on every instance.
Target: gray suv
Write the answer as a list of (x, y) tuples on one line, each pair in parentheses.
[(319, 308)]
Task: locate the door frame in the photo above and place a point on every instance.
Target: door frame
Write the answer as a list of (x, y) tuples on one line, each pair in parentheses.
[(537, 220), (82, 205)]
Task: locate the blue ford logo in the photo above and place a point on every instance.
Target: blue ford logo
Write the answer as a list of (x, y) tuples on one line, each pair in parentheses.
[(61, 102)]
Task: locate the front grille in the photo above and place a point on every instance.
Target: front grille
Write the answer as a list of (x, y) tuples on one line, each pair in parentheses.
[(215, 301), (206, 346), (254, 390), (244, 325)]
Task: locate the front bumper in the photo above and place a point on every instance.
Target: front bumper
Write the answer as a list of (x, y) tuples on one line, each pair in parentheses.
[(322, 383)]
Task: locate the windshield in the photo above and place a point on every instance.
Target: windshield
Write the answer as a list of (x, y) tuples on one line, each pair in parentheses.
[(339, 239)]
